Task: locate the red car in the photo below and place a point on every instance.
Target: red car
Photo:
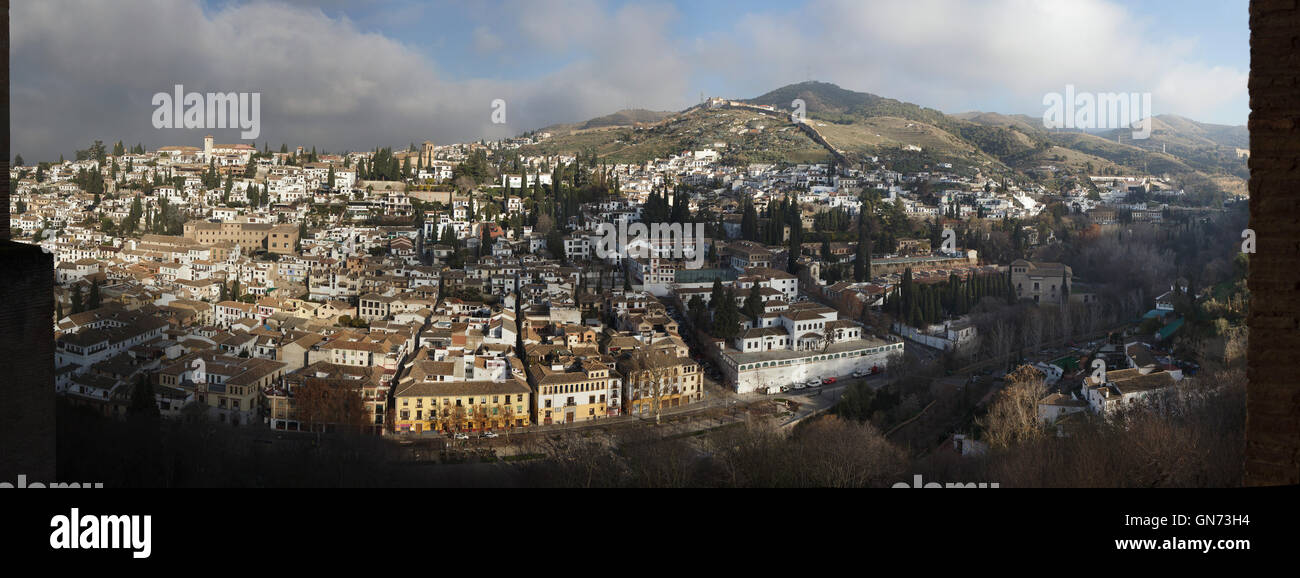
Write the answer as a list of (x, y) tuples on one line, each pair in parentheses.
[(828, 381)]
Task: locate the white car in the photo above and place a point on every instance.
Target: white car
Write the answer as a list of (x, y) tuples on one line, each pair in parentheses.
[(798, 386), (491, 434), (859, 373), (461, 436), (813, 382)]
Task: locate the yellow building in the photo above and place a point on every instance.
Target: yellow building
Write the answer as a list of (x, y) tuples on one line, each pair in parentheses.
[(461, 406), (571, 389), (231, 387), (660, 376)]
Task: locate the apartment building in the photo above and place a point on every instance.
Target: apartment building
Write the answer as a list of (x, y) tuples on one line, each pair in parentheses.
[(570, 389), (230, 387), (447, 406), (659, 375)]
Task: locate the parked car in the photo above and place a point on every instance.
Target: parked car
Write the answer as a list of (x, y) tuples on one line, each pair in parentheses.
[(799, 386), (812, 383), (828, 381), (461, 436), (491, 434), (860, 373)]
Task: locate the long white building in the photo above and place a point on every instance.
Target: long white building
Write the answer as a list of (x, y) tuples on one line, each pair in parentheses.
[(801, 343)]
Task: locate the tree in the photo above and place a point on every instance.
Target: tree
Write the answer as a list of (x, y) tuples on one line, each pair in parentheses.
[(480, 417), (507, 415), (77, 305), (323, 403), (862, 260), (699, 313), (749, 222), (485, 239), (652, 377), (726, 323), (754, 303), (456, 417), (143, 405), (796, 245), (94, 295), (718, 293), (1013, 416)]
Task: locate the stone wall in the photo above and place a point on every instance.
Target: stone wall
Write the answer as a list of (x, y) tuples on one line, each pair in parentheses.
[(26, 330), (1273, 396)]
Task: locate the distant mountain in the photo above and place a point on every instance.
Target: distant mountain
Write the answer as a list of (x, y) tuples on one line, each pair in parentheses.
[(1187, 131), (858, 124)]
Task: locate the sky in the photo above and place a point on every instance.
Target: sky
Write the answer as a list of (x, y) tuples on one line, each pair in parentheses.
[(355, 74)]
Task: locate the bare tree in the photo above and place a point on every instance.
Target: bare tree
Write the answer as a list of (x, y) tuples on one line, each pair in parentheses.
[(481, 416), (1013, 416), (839, 453), (456, 417), (508, 415), (321, 404), (652, 376)]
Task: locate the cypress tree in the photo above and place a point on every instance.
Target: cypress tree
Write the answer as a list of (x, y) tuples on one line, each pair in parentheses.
[(77, 305)]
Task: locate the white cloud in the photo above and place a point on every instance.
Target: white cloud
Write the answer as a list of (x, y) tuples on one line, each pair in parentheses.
[(84, 71), (88, 71), (956, 54), (486, 41)]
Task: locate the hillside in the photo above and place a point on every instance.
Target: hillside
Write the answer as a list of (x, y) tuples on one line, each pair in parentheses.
[(741, 136), (861, 124)]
